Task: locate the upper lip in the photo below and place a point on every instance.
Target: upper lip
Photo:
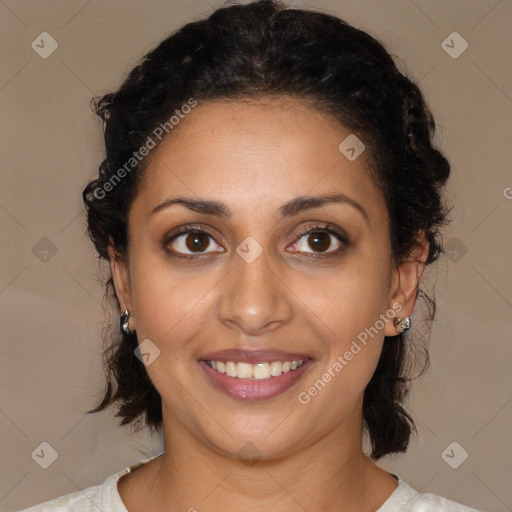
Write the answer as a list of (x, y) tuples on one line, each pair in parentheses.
[(259, 355)]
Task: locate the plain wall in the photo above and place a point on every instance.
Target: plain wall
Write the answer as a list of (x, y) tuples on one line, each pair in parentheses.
[(52, 314)]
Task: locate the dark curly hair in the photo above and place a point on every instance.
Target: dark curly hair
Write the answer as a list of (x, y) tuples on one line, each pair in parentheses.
[(266, 49)]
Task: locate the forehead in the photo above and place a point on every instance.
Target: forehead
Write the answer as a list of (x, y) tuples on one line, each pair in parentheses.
[(257, 154)]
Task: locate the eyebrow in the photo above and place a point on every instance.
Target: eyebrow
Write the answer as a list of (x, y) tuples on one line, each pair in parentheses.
[(289, 209)]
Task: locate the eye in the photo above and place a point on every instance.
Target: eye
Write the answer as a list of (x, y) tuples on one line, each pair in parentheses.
[(320, 239), (191, 241)]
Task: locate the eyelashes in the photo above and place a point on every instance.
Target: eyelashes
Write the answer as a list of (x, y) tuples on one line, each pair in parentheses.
[(324, 229), (196, 242), (190, 237)]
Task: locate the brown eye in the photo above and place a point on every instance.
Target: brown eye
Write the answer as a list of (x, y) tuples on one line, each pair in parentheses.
[(320, 239), (197, 241), (192, 242)]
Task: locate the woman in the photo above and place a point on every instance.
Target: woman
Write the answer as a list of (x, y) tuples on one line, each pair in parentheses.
[(268, 203)]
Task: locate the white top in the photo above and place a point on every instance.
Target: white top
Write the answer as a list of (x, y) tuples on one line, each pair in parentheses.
[(105, 497)]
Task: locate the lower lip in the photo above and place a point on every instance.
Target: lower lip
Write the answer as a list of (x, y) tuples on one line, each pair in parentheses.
[(245, 389)]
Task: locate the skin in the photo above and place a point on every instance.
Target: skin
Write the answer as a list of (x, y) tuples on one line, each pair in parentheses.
[(254, 156)]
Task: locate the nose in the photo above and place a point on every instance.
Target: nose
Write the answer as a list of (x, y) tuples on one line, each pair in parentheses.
[(254, 297)]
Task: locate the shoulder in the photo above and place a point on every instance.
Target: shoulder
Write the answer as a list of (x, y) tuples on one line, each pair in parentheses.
[(90, 499), (100, 497), (433, 503), (407, 499)]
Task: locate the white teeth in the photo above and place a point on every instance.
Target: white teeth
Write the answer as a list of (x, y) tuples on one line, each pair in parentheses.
[(276, 368), (261, 371), (258, 371), (243, 370), (231, 369)]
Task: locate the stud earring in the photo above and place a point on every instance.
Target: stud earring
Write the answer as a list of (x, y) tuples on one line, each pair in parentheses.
[(402, 324)]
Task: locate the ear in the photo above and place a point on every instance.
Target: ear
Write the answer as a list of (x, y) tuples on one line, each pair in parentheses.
[(121, 277), (405, 281)]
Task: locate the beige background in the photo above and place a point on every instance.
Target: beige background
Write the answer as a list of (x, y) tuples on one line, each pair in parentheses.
[(51, 312)]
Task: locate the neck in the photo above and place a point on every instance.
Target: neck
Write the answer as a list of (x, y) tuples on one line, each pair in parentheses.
[(330, 474)]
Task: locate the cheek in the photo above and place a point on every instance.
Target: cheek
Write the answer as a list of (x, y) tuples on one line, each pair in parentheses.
[(353, 301), (352, 312), (169, 305)]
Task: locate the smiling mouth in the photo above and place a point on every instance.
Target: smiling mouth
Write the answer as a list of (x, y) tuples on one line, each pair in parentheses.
[(261, 380), (257, 371)]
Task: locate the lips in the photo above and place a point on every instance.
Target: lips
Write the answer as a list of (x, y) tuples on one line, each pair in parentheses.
[(259, 387)]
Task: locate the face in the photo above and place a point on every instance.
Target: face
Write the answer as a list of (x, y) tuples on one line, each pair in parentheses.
[(249, 275)]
